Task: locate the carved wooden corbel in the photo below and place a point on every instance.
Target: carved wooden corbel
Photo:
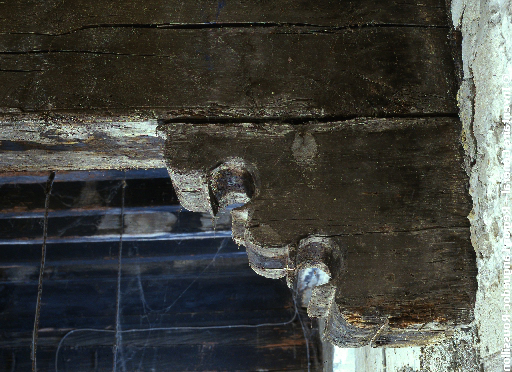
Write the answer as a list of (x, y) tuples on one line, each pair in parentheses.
[(379, 205)]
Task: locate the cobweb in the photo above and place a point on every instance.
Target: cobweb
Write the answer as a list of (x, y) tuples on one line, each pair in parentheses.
[(153, 332)]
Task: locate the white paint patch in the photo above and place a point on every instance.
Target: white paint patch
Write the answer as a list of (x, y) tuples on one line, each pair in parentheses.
[(344, 360)]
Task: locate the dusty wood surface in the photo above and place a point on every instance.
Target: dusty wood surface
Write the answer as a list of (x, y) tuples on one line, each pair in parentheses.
[(362, 175), (36, 144), (286, 72), (84, 87), (85, 84), (67, 16), (389, 195)]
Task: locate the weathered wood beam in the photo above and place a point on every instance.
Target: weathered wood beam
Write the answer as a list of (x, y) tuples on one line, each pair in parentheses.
[(381, 205), (377, 175), (34, 144), (25, 16), (82, 92), (367, 200), (229, 72)]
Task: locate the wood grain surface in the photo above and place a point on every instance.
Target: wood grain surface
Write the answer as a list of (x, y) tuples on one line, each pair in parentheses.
[(57, 17), (257, 72), (29, 144), (390, 194), (344, 113)]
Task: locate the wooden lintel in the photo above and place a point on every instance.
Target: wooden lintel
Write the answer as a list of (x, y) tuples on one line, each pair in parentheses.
[(230, 72), (36, 143), (68, 16), (380, 205)]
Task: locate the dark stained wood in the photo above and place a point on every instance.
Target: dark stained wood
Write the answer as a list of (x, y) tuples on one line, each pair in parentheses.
[(209, 279), (228, 72), (85, 86), (384, 200), (86, 195), (57, 17), (407, 279), (358, 176)]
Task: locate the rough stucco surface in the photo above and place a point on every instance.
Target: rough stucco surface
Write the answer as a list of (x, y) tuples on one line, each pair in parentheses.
[(486, 28), (487, 56)]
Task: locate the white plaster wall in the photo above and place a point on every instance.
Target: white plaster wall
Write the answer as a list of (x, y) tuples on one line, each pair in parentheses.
[(486, 27)]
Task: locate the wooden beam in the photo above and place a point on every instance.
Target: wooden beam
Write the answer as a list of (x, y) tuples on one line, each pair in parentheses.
[(335, 124), (381, 205), (86, 85), (34, 144), (360, 176), (67, 16), (229, 72)]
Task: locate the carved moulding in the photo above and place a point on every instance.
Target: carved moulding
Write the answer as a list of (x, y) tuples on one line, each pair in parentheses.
[(379, 205)]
